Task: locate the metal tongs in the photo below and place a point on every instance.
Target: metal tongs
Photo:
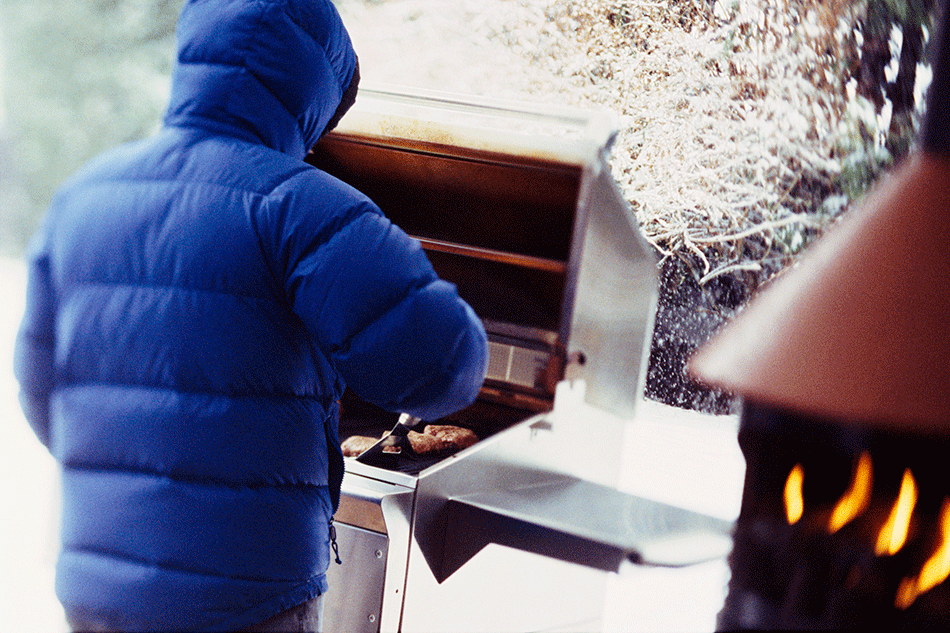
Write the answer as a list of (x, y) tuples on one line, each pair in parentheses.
[(393, 444)]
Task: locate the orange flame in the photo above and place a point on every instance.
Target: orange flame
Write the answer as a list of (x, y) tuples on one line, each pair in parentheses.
[(906, 593), (893, 533), (855, 500), (934, 571), (794, 501)]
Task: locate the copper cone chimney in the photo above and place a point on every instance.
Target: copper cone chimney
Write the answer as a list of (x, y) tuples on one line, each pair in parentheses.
[(860, 328)]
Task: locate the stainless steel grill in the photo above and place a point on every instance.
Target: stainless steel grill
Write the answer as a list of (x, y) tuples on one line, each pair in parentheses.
[(517, 207)]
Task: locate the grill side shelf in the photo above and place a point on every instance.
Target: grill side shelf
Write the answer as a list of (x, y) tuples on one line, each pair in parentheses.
[(580, 522)]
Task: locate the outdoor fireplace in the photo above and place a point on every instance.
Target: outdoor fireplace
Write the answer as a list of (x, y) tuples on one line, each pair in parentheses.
[(843, 365), (840, 527)]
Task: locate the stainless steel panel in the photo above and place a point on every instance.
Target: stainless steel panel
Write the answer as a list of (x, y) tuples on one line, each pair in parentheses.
[(521, 501), (369, 505), (356, 587), (614, 298), (372, 482), (584, 523), (503, 590), (361, 502)]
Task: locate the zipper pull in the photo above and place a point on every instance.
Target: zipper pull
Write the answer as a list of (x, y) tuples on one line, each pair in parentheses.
[(333, 545)]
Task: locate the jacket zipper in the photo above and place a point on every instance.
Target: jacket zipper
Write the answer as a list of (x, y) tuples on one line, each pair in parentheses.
[(333, 545)]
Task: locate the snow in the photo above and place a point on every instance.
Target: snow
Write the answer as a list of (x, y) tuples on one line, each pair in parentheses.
[(722, 115), (28, 491)]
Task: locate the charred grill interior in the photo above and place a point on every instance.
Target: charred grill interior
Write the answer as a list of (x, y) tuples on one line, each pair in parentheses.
[(497, 227), (500, 228)]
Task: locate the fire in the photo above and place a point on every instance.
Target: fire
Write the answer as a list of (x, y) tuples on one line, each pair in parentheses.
[(893, 533), (794, 501), (856, 498), (937, 567), (934, 571)]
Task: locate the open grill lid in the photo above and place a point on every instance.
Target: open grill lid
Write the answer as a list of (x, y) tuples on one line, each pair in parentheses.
[(516, 206)]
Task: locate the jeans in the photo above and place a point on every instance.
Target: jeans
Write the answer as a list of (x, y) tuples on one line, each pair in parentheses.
[(304, 618)]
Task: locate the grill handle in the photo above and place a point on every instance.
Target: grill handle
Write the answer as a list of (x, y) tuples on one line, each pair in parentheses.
[(491, 255)]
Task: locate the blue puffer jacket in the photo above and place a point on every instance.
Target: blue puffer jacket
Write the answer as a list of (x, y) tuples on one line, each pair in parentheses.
[(197, 303)]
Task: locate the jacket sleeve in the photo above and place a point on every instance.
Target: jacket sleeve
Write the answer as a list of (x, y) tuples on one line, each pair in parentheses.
[(33, 354), (399, 336)]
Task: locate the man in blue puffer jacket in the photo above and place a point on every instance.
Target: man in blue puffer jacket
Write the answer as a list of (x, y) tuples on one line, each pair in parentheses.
[(197, 303)]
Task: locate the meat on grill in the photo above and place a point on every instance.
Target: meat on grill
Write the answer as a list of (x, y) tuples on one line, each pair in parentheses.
[(434, 438)]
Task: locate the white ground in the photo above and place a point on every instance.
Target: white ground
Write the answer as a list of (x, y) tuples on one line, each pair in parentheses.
[(28, 491)]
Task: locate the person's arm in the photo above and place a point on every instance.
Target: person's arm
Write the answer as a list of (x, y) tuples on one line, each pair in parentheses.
[(33, 355), (399, 336)]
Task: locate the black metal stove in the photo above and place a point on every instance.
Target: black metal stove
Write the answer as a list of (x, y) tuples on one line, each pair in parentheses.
[(840, 527)]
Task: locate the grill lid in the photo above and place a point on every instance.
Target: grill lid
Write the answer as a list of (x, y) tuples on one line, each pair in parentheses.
[(515, 204)]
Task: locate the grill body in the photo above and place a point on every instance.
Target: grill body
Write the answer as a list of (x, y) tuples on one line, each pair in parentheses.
[(517, 207)]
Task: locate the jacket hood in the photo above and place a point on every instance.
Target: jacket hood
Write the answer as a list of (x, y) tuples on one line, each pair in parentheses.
[(266, 71)]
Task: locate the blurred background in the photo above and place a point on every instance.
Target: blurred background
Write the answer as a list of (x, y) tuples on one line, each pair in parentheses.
[(746, 126)]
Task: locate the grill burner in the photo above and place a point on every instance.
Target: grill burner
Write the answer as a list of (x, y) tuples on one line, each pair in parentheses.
[(840, 562)]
